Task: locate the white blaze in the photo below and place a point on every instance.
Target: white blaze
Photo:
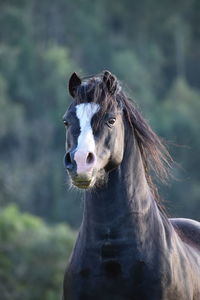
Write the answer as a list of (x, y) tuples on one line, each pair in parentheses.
[(86, 142), (85, 112)]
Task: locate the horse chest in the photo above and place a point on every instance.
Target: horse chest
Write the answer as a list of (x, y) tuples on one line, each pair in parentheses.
[(114, 273), (108, 281)]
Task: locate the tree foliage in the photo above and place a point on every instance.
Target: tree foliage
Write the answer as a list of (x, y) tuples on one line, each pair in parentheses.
[(33, 256)]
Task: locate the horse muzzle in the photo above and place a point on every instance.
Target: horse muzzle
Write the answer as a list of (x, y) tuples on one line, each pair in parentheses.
[(80, 166)]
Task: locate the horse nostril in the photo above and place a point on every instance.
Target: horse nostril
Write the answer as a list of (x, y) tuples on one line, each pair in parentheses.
[(90, 158), (68, 160)]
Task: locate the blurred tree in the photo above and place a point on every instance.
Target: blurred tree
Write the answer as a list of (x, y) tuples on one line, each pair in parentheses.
[(32, 254), (178, 119)]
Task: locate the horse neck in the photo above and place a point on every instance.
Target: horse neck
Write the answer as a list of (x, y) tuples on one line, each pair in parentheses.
[(124, 205)]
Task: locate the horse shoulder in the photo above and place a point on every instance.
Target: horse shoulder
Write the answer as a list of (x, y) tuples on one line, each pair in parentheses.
[(188, 230)]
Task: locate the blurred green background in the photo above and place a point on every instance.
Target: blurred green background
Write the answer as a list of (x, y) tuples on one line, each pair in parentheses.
[(154, 48)]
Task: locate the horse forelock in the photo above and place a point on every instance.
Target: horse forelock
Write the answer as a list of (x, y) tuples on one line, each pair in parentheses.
[(95, 90)]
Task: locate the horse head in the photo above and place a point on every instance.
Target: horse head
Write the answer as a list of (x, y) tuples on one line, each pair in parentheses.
[(94, 129)]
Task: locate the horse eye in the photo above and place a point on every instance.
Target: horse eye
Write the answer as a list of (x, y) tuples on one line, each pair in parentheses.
[(66, 123), (111, 121)]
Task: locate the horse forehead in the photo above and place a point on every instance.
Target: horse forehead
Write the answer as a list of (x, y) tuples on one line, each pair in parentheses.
[(85, 112)]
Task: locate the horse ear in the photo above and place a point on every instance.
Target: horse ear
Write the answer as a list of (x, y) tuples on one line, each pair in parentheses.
[(74, 82), (110, 81)]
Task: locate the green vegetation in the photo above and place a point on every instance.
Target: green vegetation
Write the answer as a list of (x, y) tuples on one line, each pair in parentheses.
[(33, 256), (154, 49)]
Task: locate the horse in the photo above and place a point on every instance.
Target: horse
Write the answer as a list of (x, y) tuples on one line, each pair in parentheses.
[(127, 248)]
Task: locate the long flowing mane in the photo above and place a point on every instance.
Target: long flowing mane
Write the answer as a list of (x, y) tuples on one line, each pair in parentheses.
[(154, 153)]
